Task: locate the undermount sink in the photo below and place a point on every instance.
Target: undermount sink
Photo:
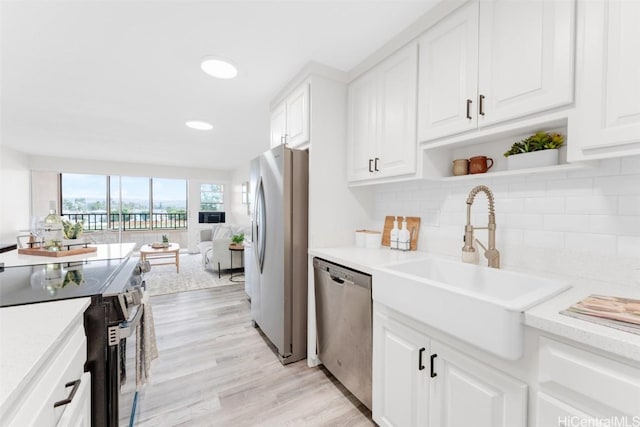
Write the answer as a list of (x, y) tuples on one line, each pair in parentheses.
[(480, 305)]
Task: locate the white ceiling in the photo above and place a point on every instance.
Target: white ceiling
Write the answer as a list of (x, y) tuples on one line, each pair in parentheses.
[(116, 80)]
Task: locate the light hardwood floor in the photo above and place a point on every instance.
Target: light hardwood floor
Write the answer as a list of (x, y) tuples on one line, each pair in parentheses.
[(215, 369)]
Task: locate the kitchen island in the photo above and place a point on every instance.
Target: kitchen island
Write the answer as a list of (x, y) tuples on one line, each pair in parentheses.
[(103, 252)]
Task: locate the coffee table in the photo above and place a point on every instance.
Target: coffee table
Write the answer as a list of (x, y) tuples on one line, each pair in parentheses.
[(147, 253)]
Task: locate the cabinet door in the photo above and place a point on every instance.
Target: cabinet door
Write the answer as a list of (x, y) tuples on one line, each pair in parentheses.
[(397, 113), (466, 393), (278, 125), (77, 413), (526, 52), (608, 101), (448, 80), (361, 139), (552, 412), (297, 126), (400, 386)]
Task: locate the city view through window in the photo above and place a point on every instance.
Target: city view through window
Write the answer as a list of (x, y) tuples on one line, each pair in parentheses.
[(131, 203)]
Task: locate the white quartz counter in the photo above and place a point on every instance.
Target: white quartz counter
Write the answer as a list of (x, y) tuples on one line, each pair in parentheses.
[(105, 251), (28, 334), (545, 316), (363, 259)]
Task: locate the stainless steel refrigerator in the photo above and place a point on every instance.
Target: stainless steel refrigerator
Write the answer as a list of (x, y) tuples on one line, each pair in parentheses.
[(278, 268)]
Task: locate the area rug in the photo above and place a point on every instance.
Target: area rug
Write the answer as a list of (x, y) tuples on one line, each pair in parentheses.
[(163, 279)]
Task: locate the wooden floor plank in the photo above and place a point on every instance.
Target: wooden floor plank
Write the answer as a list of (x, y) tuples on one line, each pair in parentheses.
[(215, 369)]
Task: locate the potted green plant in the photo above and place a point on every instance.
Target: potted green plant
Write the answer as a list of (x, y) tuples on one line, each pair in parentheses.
[(165, 241), (237, 239), (537, 150)]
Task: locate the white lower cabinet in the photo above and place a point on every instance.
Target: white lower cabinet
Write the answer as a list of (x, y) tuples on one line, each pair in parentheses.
[(553, 412), (418, 381), (400, 374), (465, 392), (60, 392)]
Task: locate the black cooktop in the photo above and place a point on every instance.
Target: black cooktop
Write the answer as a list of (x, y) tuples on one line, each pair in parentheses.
[(61, 280)]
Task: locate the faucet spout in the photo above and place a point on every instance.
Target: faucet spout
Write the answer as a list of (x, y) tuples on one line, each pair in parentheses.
[(491, 253)]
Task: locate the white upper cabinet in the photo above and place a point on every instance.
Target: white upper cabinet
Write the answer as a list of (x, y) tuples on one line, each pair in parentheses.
[(519, 53), (382, 119), (608, 91), (290, 119), (449, 75), (278, 125)]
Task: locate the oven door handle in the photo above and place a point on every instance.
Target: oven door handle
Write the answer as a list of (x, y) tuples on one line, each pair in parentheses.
[(126, 328)]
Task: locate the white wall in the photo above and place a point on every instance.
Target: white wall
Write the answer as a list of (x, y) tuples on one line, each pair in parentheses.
[(14, 194), (237, 211), (582, 223)]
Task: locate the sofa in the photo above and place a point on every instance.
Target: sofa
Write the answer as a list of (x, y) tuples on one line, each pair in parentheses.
[(214, 246)]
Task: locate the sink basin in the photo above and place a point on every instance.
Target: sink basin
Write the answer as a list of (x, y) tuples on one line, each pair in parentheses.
[(480, 305)]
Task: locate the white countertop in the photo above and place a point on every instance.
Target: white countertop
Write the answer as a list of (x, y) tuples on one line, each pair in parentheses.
[(28, 334), (545, 316), (363, 259), (105, 251)]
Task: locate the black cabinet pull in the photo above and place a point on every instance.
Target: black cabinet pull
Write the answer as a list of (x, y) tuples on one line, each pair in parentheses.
[(375, 165), (68, 400), (370, 161), (469, 109), (481, 105), (420, 353), (433, 372)]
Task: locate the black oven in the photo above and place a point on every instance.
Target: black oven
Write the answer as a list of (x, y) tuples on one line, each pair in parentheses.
[(115, 288)]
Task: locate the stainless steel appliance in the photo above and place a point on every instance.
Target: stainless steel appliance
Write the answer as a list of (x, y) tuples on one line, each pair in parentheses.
[(278, 276), (344, 325), (114, 287)]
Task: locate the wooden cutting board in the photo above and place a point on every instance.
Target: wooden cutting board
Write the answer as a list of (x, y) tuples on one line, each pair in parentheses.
[(413, 225)]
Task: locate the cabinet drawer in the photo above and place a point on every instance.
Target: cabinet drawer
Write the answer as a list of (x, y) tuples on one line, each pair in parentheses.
[(48, 387), (603, 380)]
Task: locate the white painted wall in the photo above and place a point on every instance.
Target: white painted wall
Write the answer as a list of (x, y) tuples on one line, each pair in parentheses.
[(237, 213), (582, 223), (14, 194)]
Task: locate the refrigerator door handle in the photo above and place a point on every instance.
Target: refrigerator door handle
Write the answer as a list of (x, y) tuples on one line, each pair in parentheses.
[(261, 223)]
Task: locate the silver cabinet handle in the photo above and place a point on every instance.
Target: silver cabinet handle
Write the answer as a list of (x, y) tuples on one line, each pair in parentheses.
[(68, 400)]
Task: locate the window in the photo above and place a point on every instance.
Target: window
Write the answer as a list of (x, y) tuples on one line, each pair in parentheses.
[(130, 203), (84, 198), (211, 197)]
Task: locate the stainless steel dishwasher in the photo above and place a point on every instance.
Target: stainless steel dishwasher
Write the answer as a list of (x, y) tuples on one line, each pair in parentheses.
[(344, 325)]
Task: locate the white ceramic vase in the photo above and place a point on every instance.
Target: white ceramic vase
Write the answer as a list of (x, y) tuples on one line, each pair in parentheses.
[(535, 159)]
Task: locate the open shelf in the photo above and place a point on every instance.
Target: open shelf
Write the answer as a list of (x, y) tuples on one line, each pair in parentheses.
[(528, 171)]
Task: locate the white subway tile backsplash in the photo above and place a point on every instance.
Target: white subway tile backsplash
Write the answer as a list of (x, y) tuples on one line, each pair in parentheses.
[(618, 185), (527, 189), (545, 205), (591, 205), (566, 223), (630, 165), (629, 205), (615, 224), (570, 187), (584, 222), (543, 239), (603, 244)]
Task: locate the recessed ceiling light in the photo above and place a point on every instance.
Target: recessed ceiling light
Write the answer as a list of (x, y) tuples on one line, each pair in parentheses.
[(219, 68), (194, 124)]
